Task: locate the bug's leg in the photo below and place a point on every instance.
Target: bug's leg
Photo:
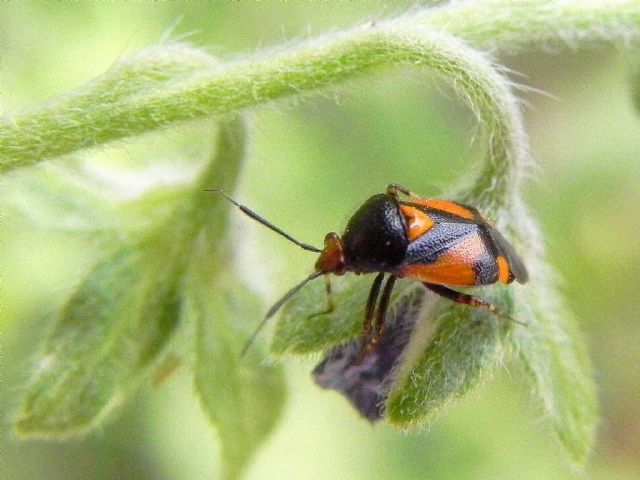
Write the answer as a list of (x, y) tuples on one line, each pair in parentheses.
[(394, 188), (329, 296), (378, 327), (367, 323), (470, 300)]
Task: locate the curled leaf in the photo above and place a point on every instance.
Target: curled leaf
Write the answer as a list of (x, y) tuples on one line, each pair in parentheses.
[(553, 353), (432, 352), (459, 348)]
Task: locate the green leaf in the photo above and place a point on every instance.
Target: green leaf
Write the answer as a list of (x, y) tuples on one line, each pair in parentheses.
[(552, 350), (243, 398), (635, 85), (105, 338), (460, 347), (56, 196), (80, 197), (452, 347), (300, 331), (554, 355)]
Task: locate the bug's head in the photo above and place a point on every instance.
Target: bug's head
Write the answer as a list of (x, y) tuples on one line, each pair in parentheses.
[(332, 259)]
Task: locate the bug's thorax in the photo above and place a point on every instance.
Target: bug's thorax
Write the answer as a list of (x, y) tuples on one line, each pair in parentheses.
[(375, 238), (332, 259)]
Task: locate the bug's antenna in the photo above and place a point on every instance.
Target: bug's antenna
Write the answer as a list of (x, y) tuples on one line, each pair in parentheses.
[(266, 223), (276, 306)]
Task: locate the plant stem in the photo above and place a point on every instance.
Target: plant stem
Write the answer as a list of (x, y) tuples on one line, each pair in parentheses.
[(166, 91), (223, 90), (513, 25)]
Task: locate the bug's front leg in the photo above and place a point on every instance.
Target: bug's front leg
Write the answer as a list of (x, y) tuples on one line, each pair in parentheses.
[(371, 305), (373, 337), (331, 306)]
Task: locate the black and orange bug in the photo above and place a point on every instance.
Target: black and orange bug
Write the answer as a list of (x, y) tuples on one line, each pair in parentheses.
[(440, 243)]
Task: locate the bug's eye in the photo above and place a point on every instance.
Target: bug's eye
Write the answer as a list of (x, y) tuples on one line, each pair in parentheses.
[(331, 238)]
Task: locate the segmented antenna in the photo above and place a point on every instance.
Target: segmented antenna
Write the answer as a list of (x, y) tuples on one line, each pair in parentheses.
[(250, 213)]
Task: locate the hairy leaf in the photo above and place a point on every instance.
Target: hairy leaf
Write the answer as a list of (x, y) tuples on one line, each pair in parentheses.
[(554, 355), (457, 348), (107, 335), (242, 397), (300, 330), (70, 198)]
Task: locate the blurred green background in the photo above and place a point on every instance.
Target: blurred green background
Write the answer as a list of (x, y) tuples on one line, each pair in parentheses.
[(311, 164)]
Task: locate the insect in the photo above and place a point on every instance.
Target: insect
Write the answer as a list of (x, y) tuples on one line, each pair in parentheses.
[(437, 242)]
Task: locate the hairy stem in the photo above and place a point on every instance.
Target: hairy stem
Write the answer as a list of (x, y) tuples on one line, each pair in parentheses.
[(155, 90), (513, 25), (240, 85)]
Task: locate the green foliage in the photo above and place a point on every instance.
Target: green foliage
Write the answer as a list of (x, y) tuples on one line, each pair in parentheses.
[(242, 397), (175, 272), (169, 273), (554, 356), (108, 333), (635, 84), (164, 85), (301, 331)]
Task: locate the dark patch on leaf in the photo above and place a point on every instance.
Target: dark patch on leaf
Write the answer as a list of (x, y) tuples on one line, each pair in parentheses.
[(366, 381)]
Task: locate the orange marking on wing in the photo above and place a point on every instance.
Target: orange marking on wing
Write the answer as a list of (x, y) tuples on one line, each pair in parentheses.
[(459, 275), (418, 222), (454, 267), (447, 206), (504, 273)]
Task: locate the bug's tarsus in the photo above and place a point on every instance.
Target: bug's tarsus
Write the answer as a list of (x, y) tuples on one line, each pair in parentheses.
[(250, 213)]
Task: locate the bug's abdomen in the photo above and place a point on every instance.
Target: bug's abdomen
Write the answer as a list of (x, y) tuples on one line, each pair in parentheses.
[(375, 238), (459, 254)]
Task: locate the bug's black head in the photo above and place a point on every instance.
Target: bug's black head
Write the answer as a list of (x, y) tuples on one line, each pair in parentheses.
[(375, 238)]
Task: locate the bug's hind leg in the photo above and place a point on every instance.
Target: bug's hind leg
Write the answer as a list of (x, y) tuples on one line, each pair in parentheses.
[(470, 300)]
